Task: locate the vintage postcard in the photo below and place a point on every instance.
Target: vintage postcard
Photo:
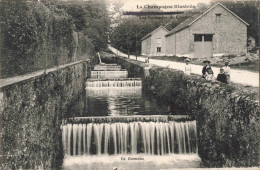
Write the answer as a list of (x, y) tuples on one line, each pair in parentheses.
[(129, 84)]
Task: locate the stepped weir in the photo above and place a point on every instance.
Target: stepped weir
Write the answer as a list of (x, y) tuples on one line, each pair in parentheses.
[(119, 82), (126, 119), (130, 138), (118, 134), (111, 75)]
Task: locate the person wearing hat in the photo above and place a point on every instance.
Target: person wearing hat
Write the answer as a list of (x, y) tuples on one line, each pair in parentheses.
[(204, 70), (207, 71), (187, 68), (226, 69), (221, 76)]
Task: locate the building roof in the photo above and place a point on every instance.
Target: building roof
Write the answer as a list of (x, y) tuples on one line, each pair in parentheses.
[(183, 25), (151, 33), (194, 18)]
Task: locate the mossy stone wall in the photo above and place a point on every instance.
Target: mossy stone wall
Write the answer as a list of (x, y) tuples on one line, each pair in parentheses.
[(31, 116)]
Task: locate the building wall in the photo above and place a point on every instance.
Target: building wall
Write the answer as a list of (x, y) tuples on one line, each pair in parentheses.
[(180, 46), (170, 45), (182, 42), (143, 47), (158, 34), (146, 46), (230, 34), (149, 45)]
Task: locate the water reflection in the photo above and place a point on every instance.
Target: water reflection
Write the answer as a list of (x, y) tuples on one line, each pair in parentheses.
[(121, 101)]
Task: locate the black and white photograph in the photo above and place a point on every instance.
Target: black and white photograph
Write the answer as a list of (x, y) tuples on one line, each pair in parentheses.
[(129, 84)]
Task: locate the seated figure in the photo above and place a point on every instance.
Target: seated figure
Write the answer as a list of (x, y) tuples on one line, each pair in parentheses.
[(221, 76)]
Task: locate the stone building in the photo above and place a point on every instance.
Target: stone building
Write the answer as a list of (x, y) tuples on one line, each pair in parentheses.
[(214, 32), (153, 44)]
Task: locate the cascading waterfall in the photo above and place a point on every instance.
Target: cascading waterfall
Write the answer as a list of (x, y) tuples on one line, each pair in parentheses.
[(115, 83), (107, 67), (153, 138), (99, 58), (109, 74)]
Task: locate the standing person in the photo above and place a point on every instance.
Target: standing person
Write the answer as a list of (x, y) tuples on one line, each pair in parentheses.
[(209, 74), (204, 70), (221, 76), (226, 69), (187, 68)]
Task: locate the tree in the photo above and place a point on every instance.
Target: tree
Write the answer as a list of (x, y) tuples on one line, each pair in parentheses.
[(91, 18)]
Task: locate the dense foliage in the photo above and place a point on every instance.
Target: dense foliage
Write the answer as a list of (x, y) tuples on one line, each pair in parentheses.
[(90, 18), (39, 35)]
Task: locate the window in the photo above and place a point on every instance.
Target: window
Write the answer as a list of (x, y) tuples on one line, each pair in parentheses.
[(208, 37), (202, 37), (197, 37), (158, 40), (158, 49), (218, 17)]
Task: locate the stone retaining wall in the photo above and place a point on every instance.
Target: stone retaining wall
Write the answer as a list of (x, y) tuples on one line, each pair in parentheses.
[(227, 115), (31, 115)]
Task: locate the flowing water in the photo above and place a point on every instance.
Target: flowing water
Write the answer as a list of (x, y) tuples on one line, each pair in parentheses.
[(152, 138), (107, 67), (109, 74), (125, 128), (122, 82)]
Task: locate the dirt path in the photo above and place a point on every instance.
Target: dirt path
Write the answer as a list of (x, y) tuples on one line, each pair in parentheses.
[(237, 76)]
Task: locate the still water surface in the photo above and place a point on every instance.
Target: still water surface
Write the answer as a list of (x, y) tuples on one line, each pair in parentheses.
[(122, 101)]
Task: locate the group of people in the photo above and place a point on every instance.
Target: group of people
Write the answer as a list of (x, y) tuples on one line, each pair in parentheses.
[(207, 72)]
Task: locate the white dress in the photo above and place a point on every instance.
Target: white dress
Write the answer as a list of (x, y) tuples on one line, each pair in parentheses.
[(227, 72), (187, 69)]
